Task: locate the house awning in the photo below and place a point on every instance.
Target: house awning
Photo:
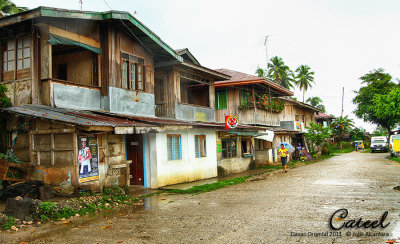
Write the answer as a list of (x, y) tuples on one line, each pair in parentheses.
[(59, 40), (266, 136)]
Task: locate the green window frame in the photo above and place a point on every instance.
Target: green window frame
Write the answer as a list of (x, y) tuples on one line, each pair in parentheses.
[(221, 99)]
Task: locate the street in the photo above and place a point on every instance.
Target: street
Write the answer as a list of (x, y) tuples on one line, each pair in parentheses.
[(278, 209)]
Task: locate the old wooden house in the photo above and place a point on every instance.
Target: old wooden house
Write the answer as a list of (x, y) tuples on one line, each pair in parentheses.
[(99, 99), (255, 101)]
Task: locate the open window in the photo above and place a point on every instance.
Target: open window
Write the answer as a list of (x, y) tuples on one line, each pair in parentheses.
[(228, 148), (200, 146), (75, 64), (194, 89)]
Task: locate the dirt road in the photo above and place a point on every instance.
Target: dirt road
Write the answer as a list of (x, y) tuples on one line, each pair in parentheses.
[(278, 209)]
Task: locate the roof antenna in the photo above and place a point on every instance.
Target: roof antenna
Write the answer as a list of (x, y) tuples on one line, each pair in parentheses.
[(266, 49), (81, 2)]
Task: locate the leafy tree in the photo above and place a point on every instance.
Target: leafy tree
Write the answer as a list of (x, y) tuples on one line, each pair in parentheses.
[(304, 77), (386, 107), (341, 125), (377, 83), (316, 134), (380, 131), (357, 134), (7, 8), (316, 102)]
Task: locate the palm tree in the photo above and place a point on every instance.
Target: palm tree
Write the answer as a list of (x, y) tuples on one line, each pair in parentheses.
[(7, 8), (279, 72), (261, 72), (341, 125), (316, 102), (304, 78)]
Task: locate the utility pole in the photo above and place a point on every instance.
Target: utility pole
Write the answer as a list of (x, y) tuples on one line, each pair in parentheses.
[(342, 101), (266, 49), (81, 2)]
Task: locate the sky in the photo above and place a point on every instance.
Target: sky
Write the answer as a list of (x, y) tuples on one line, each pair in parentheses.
[(341, 40)]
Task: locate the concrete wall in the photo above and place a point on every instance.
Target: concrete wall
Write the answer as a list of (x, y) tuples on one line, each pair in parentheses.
[(266, 156), (168, 172), (234, 165), (123, 101), (74, 97), (194, 113)]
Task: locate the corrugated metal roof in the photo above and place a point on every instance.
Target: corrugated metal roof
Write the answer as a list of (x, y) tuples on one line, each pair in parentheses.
[(239, 78), (159, 121), (321, 115), (85, 118)]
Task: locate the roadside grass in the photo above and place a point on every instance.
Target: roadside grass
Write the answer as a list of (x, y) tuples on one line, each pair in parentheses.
[(368, 150), (210, 187), (394, 159), (344, 150)]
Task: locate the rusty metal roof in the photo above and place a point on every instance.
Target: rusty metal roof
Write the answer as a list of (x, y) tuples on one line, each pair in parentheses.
[(159, 121), (81, 117), (241, 79)]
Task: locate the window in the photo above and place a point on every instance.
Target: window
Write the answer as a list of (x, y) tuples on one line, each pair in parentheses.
[(134, 72), (228, 148), (296, 117), (17, 52), (221, 99), (200, 146), (174, 147), (246, 146)]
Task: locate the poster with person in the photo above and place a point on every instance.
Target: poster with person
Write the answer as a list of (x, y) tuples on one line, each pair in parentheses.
[(88, 159)]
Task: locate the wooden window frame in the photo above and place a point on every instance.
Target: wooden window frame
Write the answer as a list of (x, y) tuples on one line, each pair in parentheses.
[(137, 73), (217, 92), (174, 137), (200, 150), (230, 147)]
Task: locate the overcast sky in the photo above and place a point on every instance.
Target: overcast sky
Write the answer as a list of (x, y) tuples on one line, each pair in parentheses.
[(341, 40)]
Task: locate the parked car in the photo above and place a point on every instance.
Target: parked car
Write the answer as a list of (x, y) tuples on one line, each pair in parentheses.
[(394, 145), (379, 143)]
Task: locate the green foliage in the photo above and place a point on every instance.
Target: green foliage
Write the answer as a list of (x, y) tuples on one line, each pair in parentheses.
[(10, 221), (304, 77), (377, 83), (278, 72), (316, 134), (4, 100), (357, 134), (10, 157), (263, 101), (386, 106), (380, 131), (7, 8), (341, 125), (316, 102)]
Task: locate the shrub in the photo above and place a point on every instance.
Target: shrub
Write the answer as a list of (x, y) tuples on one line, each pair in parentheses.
[(325, 151)]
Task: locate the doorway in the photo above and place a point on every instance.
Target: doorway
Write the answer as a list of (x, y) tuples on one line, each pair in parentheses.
[(134, 152)]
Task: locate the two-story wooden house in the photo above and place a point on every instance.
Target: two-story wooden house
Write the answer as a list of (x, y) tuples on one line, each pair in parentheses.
[(254, 101), (99, 99)]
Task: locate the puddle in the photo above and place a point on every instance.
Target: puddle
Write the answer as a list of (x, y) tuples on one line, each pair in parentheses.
[(338, 182)]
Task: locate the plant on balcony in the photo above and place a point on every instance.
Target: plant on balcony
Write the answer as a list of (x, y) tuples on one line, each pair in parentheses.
[(262, 101)]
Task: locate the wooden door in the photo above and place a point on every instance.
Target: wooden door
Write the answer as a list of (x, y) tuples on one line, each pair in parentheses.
[(135, 153)]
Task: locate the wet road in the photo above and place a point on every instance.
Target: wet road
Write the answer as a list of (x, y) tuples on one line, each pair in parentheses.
[(274, 210)]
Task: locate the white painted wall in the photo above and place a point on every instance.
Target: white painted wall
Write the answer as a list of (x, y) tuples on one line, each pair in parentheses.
[(162, 172)]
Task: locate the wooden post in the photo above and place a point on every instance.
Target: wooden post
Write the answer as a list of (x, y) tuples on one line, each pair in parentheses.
[(212, 94), (75, 162)]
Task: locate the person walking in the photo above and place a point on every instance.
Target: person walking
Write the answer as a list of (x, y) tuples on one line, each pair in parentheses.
[(284, 153)]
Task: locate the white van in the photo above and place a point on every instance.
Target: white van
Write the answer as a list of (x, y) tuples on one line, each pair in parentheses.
[(394, 150), (379, 143)]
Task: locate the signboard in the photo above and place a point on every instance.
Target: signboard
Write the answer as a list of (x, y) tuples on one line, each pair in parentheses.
[(231, 122), (298, 126), (396, 143), (219, 146), (88, 158)]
